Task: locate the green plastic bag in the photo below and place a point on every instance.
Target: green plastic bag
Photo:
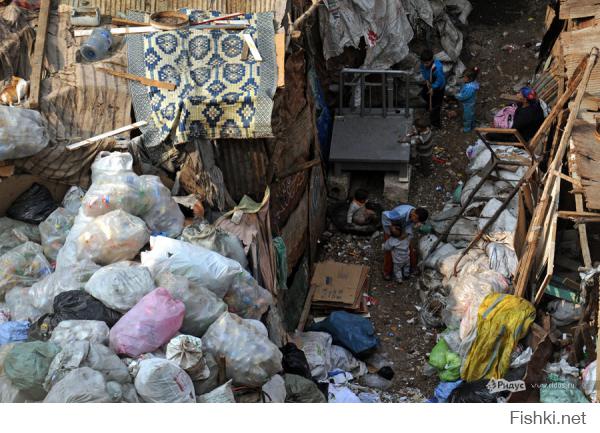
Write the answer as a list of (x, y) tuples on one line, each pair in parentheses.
[(437, 357), (27, 364), (560, 390), (446, 362)]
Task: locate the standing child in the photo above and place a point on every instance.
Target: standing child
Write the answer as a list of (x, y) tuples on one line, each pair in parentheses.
[(399, 245), (421, 144), (468, 97), (432, 72)]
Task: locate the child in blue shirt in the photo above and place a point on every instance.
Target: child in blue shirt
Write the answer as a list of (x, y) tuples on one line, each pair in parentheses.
[(468, 97), (433, 91)]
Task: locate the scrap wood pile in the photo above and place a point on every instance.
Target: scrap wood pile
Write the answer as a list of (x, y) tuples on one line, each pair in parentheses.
[(530, 269)]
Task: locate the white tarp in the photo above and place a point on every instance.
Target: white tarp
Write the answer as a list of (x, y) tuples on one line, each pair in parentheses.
[(383, 24)]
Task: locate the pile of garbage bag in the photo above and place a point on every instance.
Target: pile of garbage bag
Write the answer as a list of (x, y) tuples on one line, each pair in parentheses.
[(103, 304)]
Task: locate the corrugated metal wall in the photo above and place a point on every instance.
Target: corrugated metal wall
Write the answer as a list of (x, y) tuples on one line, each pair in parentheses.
[(111, 7)]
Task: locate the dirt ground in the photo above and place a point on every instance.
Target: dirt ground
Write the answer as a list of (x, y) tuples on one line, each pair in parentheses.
[(501, 40)]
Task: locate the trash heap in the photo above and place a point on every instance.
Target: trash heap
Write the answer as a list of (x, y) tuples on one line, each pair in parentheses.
[(111, 299), (486, 338), (454, 292), (90, 314)]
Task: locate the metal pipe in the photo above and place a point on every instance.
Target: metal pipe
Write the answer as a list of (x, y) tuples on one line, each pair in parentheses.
[(383, 94)]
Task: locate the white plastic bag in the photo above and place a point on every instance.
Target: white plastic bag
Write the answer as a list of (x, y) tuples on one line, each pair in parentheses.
[(466, 296), (13, 233), (274, 390), (588, 381), (121, 285), (112, 237), (85, 354), (162, 381), (84, 385), (564, 312), (342, 359), (251, 358), (22, 133), (73, 199), (116, 187), (20, 305), (222, 394), (202, 307), (217, 240), (202, 267), (43, 292), (54, 230), (246, 298), (317, 348), (186, 352), (22, 266), (163, 216), (69, 331), (503, 258)]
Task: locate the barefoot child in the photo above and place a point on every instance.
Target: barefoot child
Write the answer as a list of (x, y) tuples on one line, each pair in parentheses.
[(468, 97), (399, 245)]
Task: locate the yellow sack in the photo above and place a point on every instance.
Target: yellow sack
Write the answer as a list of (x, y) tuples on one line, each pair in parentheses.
[(502, 321)]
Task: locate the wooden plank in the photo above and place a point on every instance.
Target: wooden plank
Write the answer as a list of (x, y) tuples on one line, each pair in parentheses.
[(524, 269), (306, 309), (550, 247), (570, 9), (37, 60), (581, 227), (106, 135), (280, 51), (123, 22), (225, 25), (143, 80)]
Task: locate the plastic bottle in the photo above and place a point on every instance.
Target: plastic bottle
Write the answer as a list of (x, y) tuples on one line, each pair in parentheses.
[(97, 45), (457, 192)]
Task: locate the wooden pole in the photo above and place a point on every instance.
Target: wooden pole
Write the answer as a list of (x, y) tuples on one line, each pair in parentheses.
[(496, 214), (533, 233), (143, 80), (106, 135), (37, 61)]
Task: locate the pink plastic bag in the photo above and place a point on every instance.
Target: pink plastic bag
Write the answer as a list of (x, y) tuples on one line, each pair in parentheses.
[(504, 118), (152, 322)]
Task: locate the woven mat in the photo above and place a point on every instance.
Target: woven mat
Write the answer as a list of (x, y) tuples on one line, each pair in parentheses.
[(218, 94)]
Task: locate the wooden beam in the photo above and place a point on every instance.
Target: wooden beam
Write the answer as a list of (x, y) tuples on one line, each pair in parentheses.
[(306, 309), (280, 51), (579, 216), (37, 61), (106, 135), (123, 22), (143, 80), (530, 248)]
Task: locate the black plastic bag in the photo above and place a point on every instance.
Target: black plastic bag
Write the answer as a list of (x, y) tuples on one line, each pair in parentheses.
[(294, 361), (33, 206), (473, 392), (79, 305)]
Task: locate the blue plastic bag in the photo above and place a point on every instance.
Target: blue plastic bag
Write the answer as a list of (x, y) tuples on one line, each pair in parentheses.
[(444, 389), (14, 331), (348, 330)]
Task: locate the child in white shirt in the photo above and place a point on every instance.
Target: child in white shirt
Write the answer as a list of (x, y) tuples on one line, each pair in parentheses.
[(357, 212), (399, 245)]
